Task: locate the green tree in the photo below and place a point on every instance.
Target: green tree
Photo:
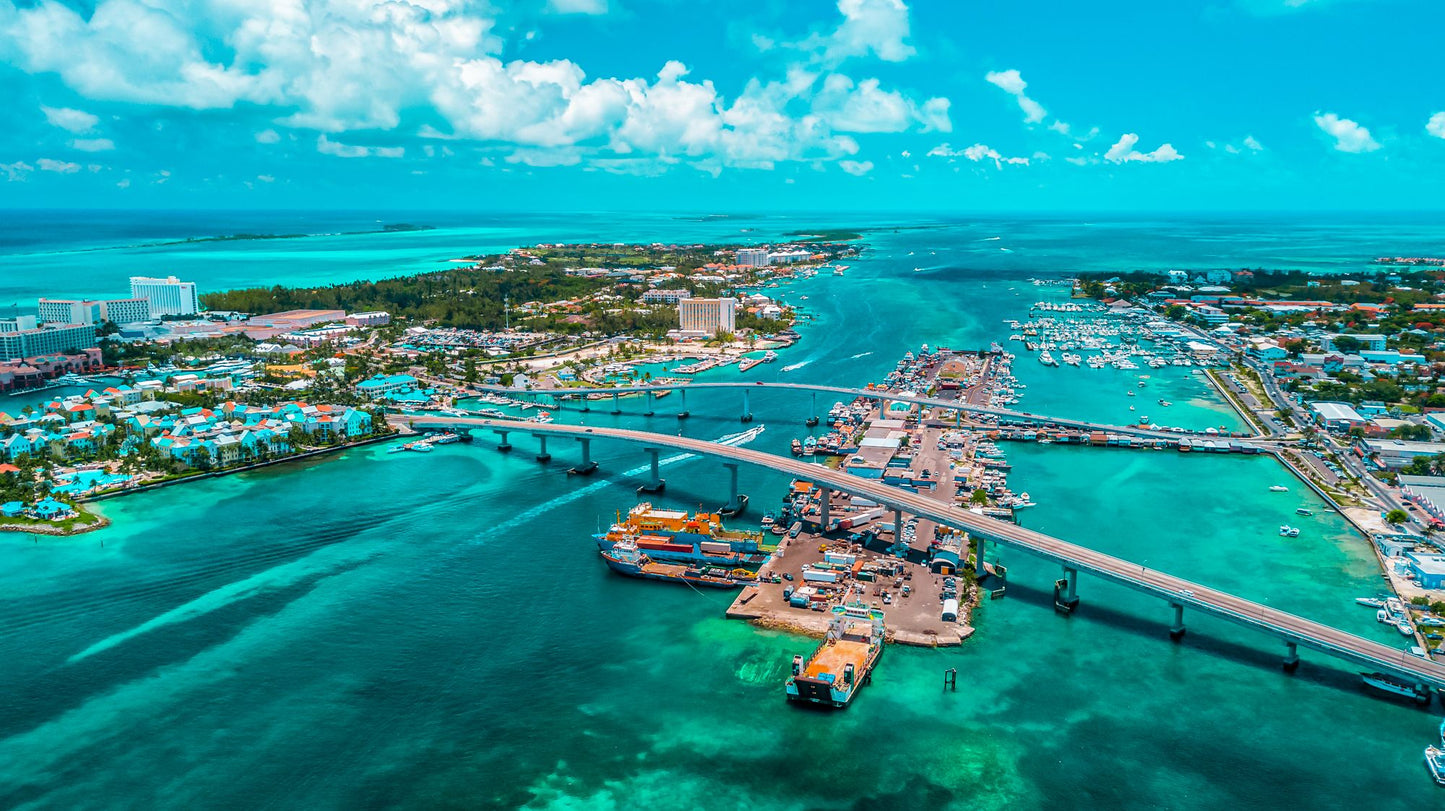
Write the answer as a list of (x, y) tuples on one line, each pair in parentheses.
[(1396, 517), (979, 497)]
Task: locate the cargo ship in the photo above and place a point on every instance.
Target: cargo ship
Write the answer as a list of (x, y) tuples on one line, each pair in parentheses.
[(626, 559), (844, 661), (673, 535)]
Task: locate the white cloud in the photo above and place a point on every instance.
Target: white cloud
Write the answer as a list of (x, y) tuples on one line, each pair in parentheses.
[(981, 152), (1349, 136), (577, 6), (326, 146), (857, 168), (18, 170), (93, 144), (59, 167), (1248, 145), (1010, 82), (1124, 152), (1436, 125), (879, 27), (76, 121), (347, 66), (866, 107)]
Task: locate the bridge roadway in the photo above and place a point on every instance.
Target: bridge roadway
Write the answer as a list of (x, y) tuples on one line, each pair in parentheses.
[(1287, 627), (928, 402)]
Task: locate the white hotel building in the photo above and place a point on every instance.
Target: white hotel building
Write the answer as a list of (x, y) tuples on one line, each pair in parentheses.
[(168, 296), (707, 316)]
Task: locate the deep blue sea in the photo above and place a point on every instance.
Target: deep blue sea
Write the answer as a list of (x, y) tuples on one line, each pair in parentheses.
[(436, 631)]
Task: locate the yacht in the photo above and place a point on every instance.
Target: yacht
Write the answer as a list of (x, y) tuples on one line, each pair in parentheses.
[(1405, 628), (1435, 761), (1370, 602), (1394, 686)]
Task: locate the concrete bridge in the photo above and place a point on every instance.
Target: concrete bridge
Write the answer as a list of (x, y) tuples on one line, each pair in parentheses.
[(1003, 415), (1292, 631)]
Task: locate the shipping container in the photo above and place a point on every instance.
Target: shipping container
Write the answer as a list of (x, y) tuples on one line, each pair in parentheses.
[(820, 576)]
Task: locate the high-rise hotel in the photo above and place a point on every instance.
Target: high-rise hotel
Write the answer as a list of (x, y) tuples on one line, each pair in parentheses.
[(168, 296)]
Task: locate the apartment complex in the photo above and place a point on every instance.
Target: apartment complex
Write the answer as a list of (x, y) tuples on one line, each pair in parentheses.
[(81, 311), (754, 257), (168, 296), (707, 316)]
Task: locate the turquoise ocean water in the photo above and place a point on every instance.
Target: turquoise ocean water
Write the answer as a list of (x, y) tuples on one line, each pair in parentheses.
[(436, 630)]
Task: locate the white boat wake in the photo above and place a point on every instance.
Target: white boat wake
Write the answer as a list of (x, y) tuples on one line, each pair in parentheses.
[(794, 366), (859, 355), (336, 558)]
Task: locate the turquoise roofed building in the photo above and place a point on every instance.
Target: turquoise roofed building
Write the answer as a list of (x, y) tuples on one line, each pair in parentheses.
[(378, 385)]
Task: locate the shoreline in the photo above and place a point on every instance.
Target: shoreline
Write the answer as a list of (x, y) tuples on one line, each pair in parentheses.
[(229, 471), (1249, 419)]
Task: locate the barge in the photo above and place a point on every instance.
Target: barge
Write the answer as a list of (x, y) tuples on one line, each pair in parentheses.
[(844, 661)]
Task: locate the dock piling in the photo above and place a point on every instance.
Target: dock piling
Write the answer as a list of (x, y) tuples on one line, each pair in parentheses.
[(950, 679), (1176, 631)]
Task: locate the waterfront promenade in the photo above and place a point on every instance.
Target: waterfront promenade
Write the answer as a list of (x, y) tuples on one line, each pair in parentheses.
[(1182, 594)]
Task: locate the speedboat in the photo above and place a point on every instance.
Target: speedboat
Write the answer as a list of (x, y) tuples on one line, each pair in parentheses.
[(1304, 511), (1284, 530), (1370, 602), (1435, 761), (1405, 628), (1278, 488), (768, 520), (1432, 622)]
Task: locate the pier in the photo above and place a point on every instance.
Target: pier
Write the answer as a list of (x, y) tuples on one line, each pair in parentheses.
[(1182, 595)]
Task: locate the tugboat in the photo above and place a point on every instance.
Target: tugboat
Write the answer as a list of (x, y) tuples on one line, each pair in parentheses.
[(844, 661), (729, 511)]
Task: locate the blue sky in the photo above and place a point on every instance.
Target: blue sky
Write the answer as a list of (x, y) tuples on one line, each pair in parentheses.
[(932, 105)]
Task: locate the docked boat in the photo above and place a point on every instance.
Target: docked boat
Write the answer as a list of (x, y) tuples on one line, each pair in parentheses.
[(1435, 762), (444, 438), (770, 356), (1390, 685), (768, 520), (1370, 602), (1278, 488), (844, 661), (797, 448), (627, 560), (674, 535), (1405, 628)]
